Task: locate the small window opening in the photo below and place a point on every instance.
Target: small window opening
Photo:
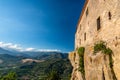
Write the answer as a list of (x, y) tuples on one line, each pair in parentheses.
[(109, 14), (90, 59), (84, 36), (80, 41), (98, 23), (87, 12), (80, 27)]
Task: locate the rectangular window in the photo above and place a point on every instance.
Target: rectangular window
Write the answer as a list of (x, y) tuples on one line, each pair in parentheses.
[(80, 41), (84, 36), (87, 12), (109, 14), (80, 26), (98, 23)]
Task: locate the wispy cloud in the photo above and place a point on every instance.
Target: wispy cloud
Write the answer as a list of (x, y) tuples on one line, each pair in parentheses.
[(18, 47), (10, 46), (30, 49), (49, 50)]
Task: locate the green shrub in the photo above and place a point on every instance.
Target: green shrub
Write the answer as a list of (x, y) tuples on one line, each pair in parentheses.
[(81, 51), (81, 65), (102, 47), (99, 47), (110, 61), (108, 51)]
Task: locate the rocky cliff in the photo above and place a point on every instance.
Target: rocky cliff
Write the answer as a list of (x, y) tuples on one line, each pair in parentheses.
[(97, 66)]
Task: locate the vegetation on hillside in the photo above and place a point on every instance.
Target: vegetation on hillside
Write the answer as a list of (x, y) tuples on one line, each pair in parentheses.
[(39, 70), (53, 75), (9, 76)]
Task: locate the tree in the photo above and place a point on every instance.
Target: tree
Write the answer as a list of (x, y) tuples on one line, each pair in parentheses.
[(10, 76), (53, 75)]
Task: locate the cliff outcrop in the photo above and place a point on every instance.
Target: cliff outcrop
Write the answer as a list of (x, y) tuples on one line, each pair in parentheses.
[(97, 66)]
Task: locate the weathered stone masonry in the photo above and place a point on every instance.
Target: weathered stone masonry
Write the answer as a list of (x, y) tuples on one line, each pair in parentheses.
[(99, 21)]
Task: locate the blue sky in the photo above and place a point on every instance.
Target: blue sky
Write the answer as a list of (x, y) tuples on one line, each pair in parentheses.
[(41, 24)]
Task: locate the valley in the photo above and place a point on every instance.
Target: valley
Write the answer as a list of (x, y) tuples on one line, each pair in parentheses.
[(34, 65)]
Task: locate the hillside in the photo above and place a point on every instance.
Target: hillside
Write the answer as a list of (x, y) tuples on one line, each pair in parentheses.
[(36, 65)]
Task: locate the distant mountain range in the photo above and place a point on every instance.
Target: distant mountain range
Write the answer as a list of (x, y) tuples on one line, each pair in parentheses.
[(10, 58), (13, 53), (32, 54), (3, 51)]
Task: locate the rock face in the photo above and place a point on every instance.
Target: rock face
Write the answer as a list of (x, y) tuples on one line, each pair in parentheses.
[(99, 21), (74, 58)]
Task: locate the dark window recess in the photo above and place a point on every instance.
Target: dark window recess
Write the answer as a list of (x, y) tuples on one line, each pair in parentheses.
[(91, 60), (80, 26), (87, 12), (84, 36), (80, 41), (98, 23), (109, 14)]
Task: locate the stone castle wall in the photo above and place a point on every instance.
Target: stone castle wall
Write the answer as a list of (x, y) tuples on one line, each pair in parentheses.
[(100, 21), (88, 24)]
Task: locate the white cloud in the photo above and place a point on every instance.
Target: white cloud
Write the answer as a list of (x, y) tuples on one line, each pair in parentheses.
[(49, 50), (30, 49), (19, 48), (10, 46)]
